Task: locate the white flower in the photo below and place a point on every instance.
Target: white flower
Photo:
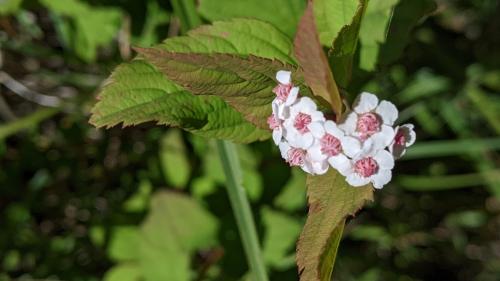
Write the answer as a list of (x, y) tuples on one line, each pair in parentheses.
[(301, 120), (282, 90), (371, 120), (374, 166), (405, 137), (299, 157), (282, 107), (331, 144)]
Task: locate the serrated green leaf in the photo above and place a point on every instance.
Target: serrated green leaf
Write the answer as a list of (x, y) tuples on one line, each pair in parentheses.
[(137, 92), (281, 235), (314, 63), (331, 16), (246, 83), (374, 31), (237, 36), (173, 159), (331, 200), (176, 226), (344, 47), (284, 14)]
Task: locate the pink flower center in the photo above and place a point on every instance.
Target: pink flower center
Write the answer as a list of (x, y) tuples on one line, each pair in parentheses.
[(400, 138), (296, 156), (330, 145), (273, 122), (301, 122), (282, 91), (368, 124), (366, 167)]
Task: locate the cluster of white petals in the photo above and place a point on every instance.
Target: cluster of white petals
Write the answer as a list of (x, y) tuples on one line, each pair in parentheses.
[(362, 147)]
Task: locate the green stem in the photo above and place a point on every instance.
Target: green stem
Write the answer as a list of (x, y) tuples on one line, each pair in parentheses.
[(241, 209)]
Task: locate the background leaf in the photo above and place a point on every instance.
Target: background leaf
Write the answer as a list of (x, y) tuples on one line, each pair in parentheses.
[(331, 16), (344, 47), (331, 200), (175, 164), (283, 14)]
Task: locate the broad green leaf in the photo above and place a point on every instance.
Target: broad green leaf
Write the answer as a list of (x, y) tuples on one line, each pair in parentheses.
[(9, 6), (374, 31), (281, 235), (174, 160), (88, 27), (331, 16), (293, 194), (124, 272), (344, 47), (284, 14), (237, 36), (331, 200), (406, 14), (124, 243), (137, 92), (245, 83), (314, 63), (176, 227)]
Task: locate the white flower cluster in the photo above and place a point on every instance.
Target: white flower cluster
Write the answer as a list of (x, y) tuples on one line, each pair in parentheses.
[(362, 147)]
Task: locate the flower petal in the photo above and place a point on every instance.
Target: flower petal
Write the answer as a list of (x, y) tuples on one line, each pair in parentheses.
[(284, 147), (332, 129), (381, 178), (388, 112), (306, 104), (292, 96), (409, 134), (384, 159), (277, 135), (365, 102), (340, 163), (304, 141), (316, 129), (351, 146), (349, 124), (319, 167), (383, 138), (356, 180), (315, 154), (284, 77)]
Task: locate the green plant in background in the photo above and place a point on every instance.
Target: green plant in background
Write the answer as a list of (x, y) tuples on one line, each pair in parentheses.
[(435, 221)]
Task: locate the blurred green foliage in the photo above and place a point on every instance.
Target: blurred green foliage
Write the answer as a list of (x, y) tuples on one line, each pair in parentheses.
[(78, 203)]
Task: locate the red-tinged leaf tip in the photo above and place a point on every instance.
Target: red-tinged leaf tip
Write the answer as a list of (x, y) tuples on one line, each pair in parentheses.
[(314, 62)]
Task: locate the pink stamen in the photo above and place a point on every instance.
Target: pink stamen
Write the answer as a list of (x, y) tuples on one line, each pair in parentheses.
[(330, 145), (366, 167), (296, 156), (273, 122), (368, 124), (301, 122), (282, 91), (400, 138)]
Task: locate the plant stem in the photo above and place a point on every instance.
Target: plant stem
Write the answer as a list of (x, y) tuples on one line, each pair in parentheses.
[(241, 209)]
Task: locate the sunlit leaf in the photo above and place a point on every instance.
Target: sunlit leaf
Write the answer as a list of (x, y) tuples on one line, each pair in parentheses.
[(331, 16), (331, 200), (344, 47), (284, 14)]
